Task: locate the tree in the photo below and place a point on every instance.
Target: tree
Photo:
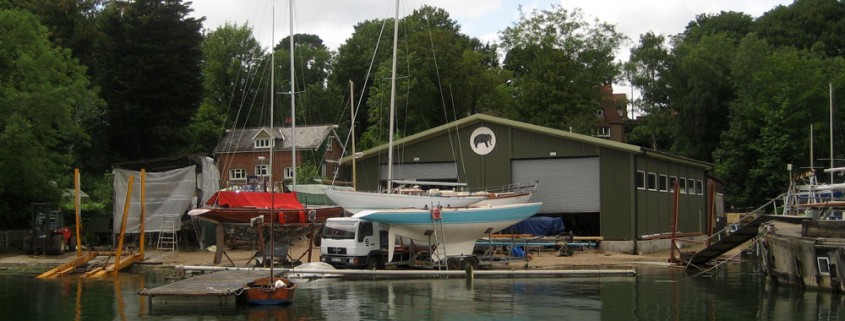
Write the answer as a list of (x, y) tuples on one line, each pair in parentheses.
[(734, 25), (559, 63), (318, 102), (646, 70), (231, 60), (806, 24), (70, 23), (150, 75), (701, 92), (699, 81), (442, 74), (44, 94), (369, 45), (781, 92)]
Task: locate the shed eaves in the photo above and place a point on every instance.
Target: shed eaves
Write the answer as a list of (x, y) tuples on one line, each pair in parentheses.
[(529, 127)]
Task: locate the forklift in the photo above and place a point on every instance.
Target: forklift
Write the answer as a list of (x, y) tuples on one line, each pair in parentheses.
[(49, 235)]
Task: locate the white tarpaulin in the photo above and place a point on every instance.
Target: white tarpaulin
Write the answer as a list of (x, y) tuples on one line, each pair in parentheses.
[(209, 181), (167, 193)]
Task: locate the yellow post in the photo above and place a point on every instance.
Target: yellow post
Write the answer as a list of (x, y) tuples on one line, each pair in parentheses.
[(123, 223), (143, 209), (76, 203)]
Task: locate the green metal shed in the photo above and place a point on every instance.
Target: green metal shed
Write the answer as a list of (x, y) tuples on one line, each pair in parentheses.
[(619, 191)]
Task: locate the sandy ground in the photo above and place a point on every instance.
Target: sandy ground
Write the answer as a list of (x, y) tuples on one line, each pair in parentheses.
[(581, 259)]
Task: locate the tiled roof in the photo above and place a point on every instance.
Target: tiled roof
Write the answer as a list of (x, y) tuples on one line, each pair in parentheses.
[(307, 137)]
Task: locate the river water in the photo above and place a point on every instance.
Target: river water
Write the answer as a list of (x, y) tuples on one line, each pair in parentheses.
[(735, 292)]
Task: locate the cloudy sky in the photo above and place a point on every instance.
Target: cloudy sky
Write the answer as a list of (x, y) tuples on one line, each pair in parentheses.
[(333, 20)]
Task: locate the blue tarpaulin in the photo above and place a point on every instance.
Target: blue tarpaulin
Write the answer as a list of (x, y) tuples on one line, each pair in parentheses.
[(538, 225)]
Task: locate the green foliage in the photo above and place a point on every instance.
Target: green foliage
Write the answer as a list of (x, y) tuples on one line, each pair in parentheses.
[(743, 100), (734, 25), (231, 60), (559, 62), (42, 92), (100, 191), (205, 129), (306, 173), (646, 70), (701, 91), (317, 100), (149, 71), (816, 25), (781, 93), (442, 74)]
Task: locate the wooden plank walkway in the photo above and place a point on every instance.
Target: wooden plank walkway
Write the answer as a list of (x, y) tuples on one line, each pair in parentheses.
[(219, 283)]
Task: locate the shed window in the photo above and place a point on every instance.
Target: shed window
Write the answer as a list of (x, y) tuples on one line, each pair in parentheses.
[(672, 181), (652, 181), (682, 183), (640, 180), (824, 265), (663, 183), (699, 187)]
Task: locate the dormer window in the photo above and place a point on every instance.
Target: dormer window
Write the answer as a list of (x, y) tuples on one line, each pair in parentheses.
[(262, 142), (599, 112)]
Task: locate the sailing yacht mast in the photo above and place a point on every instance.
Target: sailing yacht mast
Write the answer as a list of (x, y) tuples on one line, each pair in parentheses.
[(272, 141), (830, 88), (392, 102), (292, 103)]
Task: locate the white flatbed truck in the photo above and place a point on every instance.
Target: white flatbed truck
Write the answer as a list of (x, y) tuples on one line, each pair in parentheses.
[(347, 242)]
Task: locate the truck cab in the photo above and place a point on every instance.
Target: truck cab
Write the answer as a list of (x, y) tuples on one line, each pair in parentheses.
[(353, 243)]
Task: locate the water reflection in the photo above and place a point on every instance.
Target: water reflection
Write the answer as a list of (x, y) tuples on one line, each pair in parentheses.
[(450, 299), (735, 293)]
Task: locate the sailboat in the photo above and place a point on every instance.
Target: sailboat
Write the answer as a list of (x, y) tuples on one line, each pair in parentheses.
[(354, 201), (236, 207), (273, 290), (462, 226), (417, 217)]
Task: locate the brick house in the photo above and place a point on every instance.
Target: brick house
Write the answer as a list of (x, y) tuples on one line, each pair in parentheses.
[(611, 115), (243, 155)]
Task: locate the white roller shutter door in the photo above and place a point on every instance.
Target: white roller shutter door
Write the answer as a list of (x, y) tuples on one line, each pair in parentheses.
[(567, 185)]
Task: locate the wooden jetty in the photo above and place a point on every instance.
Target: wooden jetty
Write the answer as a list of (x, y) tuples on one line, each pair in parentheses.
[(216, 284)]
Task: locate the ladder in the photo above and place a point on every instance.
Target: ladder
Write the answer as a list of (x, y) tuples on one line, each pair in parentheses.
[(438, 256), (167, 239)]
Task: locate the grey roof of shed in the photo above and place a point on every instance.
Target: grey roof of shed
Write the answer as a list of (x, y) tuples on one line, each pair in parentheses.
[(307, 137), (476, 118)]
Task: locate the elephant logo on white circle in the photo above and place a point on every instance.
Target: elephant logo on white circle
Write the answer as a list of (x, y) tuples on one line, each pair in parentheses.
[(482, 140)]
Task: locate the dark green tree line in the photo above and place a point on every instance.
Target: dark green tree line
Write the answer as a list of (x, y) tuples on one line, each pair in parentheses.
[(45, 98)]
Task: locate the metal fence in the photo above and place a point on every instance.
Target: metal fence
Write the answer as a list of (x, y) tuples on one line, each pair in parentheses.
[(11, 240)]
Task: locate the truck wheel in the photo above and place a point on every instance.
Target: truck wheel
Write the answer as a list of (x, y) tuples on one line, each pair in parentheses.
[(27, 245), (56, 246), (375, 263), (71, 244), (453, 264)]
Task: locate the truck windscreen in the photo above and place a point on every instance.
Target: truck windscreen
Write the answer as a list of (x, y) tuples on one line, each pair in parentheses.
[(339, 230)]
